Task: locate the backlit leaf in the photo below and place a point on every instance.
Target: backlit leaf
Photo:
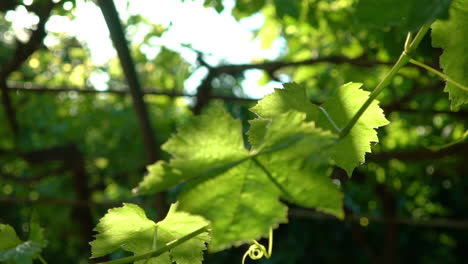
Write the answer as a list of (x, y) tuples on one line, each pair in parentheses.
[(451, 35), (128, 228), (350, 151), (244, 187)]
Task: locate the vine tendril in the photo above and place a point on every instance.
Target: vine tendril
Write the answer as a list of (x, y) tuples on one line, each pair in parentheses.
[(257, 251)]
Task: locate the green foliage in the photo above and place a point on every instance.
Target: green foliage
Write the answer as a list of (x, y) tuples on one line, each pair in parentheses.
[(241, 175), (15, 251), (8, 237), (341, 106), (129, 229), (240, 179), (408, 15), (283, 100), (288, 157), (451, 36), (349, 152)]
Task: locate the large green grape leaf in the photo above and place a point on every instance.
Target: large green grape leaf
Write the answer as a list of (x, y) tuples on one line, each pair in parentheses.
[(240, 192), (13, 250), (128, 228), (350, 151), (451, 35), (409, 15)]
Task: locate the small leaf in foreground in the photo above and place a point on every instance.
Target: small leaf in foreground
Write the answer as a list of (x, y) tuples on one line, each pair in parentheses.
[(350, 151), (120, 227), (8, 237), (128, 228), (13, 250)]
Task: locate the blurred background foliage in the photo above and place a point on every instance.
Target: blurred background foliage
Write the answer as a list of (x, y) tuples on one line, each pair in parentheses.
[(75, 150)]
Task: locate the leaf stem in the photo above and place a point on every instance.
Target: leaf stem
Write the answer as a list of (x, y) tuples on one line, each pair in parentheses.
[(330, 119), (41, 259), (402, 61), (440, 74), (159, 251)]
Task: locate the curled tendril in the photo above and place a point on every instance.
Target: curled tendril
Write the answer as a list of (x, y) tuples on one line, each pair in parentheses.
[(257, 251)]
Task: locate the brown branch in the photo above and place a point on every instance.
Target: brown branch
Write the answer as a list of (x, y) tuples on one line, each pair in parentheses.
[(293, 213), (8, 107), (204, 89), (72, 159), (460, 150), (154, 91), (204, 93), (24, 50), (89, 90), (276, 65), (389, 206), (13, 178), (20, 55), (423, 223), (128, 66), (359, 236)]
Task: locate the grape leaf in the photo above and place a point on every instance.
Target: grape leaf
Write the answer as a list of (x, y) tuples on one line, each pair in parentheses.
[(341, 106), (409, 15), (128, 228), (122, 226), (13, 250), (178, 224), (292, 97), (350, 151), (23, 253), (244, 186), (451, 36), (8, 237)]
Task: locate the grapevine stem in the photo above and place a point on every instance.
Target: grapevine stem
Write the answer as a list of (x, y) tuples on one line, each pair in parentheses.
[(418, 38), (41, 259), (440, 74), (159, 251), (402, 61), (270, 243), (408, 40)]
